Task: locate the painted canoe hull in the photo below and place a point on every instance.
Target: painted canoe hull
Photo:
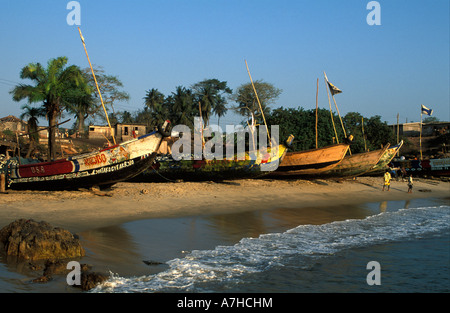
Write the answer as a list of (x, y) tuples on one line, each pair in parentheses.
[(255, 165), (356, 164), (104, 167), (428, 167), (311, 162), (385, 159)]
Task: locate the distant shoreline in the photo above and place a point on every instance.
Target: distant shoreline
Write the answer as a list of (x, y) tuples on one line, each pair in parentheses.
[(79, 211)]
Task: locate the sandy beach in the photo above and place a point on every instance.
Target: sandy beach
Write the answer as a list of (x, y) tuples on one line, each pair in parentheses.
[(124, 228), (79, 211)]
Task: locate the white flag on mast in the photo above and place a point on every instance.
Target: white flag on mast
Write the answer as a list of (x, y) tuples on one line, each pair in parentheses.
[(333, 89)]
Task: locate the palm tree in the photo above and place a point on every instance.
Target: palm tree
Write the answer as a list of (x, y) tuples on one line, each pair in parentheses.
[(220, 110), (155, 111), (51, 86), (81, 103), (154, 99), (32, 114), (210, 94), (182, 107)]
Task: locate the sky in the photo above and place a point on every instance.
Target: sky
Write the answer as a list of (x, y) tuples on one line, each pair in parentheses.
[(385, 69)]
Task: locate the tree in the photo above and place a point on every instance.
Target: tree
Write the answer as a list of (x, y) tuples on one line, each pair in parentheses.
[(211, 95), (182, 107), (127, 118), (51, 86), (220, 110), (430, 119), (32, 114), (353, 123), (109, 86), (81, 104), (155, 111), (378, 133), (301, 123), (247, 104), (154, 100)]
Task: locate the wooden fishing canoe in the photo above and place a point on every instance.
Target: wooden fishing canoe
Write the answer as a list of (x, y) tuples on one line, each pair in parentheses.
[(311, 162), (385, 159), (356, 164), (250, 165), (104, 167)]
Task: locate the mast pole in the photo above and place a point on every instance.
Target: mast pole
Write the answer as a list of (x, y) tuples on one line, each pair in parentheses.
[(96, 84), (259, 103)]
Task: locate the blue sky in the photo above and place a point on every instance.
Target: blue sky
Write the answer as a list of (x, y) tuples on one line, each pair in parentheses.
[(382, 69)]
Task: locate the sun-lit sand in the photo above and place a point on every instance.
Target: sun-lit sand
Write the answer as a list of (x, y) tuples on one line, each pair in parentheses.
[(83, 210)]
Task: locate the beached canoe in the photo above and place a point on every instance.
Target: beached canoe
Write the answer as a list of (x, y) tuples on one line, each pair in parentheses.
[(427, 167), (356, 164), (105, 167), (249, 165), (385, 159), (311, 162)]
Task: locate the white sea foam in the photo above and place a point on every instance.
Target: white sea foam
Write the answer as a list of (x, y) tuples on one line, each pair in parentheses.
[(196, 270)]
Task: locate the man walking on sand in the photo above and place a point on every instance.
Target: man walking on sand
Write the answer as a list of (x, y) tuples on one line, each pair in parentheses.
[(387, 180)]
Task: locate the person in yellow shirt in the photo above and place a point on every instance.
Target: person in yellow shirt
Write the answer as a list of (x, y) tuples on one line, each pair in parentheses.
[(410, 183), (387, 180)]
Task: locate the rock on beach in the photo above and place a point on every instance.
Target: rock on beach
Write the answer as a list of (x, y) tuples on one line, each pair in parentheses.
[(27, 239)]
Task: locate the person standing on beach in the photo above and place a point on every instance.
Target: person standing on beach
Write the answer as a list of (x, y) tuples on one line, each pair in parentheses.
[(410, 183), (387, 180)]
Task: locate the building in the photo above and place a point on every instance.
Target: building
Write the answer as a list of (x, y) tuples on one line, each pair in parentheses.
[(126, 132), (428, 129), (13, 124), (434, 141), (100, 132), (122, 132)]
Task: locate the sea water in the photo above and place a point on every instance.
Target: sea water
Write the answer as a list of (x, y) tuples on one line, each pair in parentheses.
[(409, 240)]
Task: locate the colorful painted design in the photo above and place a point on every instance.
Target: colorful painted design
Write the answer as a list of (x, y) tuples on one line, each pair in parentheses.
[(106, 166), (385, 159), (436, 167), (246, 166)]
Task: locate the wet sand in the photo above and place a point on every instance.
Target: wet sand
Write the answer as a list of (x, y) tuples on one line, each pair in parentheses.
[(134, 228), (80, 211)]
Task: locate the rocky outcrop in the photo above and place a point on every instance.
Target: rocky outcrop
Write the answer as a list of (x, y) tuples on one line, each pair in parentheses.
[(90, 280), (39, 244), (30, 240)]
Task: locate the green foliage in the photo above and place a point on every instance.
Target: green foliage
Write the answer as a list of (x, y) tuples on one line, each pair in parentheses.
[(51, 86), (301, 123), (210, 93), (247, 102), (183, 105), (32, 114)]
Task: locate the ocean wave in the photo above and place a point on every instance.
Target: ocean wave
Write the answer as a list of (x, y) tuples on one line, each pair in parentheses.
[(201, 269)]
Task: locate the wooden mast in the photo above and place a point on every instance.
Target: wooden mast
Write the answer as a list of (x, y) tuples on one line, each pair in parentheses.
[(331, 111), (317, 108), (420, 135), (96, 84), (337, 109), (260, 107), (364, 136)]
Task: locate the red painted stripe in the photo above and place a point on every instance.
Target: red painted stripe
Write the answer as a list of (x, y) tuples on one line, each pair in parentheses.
[(46, 169)]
